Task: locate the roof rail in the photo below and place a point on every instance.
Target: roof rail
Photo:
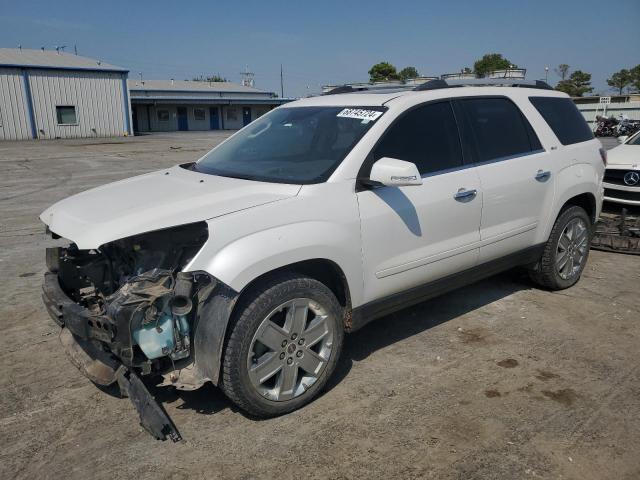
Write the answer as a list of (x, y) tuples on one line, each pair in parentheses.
[(373, 88), (441, 83), (483, 82)]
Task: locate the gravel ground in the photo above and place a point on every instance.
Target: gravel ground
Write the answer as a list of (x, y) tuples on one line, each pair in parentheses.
[(497, 380)]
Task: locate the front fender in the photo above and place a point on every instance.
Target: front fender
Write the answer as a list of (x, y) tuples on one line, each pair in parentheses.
[(247, 258)]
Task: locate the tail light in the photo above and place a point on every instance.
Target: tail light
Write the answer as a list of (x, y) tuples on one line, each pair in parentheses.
[(603, 156)]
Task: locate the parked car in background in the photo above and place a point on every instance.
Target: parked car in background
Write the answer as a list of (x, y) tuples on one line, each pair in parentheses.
[(622, 177), (247, 267)]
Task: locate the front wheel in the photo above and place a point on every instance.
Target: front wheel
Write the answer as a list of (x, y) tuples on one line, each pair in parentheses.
[(283, 346), (566, 252)]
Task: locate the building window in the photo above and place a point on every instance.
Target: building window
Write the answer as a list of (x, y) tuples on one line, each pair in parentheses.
[(163, 115), (232, 114), (66, 115), (199, 114)]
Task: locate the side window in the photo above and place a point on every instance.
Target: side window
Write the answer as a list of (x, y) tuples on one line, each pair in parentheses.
[(426, 136), (497, 128), (564, 118)]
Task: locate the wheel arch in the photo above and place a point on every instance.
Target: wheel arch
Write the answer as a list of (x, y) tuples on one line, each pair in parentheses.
[(587, 201), (581, 196), (225, 304), (324, 270)]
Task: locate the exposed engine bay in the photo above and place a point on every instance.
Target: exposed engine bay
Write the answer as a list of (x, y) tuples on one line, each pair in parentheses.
[(139, 303)]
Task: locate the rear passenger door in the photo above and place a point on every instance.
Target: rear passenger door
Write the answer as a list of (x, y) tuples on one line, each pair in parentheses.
[(516, 174)]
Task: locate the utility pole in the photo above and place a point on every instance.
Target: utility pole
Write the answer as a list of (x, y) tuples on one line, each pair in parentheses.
[(281, 83)]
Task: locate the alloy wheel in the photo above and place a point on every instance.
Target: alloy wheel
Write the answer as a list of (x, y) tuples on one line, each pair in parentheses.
[(572, 248), (290, 349)]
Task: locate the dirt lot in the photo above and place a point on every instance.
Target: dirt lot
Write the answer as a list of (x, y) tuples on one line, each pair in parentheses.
[(499, 380)]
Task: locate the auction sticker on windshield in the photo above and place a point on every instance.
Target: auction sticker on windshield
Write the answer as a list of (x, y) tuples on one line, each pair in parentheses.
[(360, 114)]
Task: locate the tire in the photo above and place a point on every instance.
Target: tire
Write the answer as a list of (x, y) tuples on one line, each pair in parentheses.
[(550, 272), (272, 332)]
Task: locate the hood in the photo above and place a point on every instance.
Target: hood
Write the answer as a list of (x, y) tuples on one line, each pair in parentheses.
[(154, 201), (624, 156)]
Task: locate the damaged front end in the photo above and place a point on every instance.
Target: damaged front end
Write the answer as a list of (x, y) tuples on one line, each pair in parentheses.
[(128, 309)]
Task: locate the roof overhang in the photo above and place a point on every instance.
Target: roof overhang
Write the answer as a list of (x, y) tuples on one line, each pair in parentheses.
[(74, 69), (208, 101)]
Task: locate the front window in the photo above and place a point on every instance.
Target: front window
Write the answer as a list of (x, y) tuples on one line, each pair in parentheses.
[(291, 145)]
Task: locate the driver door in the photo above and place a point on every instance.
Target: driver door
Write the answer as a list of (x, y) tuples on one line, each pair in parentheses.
[(412, 235)]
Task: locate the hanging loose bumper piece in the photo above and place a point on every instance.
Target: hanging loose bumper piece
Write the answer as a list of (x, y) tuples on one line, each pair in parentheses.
[(153, 418)]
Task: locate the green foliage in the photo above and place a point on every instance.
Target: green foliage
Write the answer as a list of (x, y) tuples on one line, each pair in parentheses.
[(620, 80), (210, 78), (576, 85), (383, 71), (562, 71), (635, 78), (490, 62), (407, 73)]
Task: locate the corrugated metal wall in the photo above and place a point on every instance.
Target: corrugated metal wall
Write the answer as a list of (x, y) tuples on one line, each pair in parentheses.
[(14, 119), (97, 96), (628, 109)]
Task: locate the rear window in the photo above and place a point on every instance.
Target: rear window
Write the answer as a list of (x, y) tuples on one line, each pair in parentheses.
[(564, 118)]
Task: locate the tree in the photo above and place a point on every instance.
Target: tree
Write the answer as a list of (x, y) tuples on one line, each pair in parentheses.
[(490, 62), (576, 85), (210, 78), (383, 71), (620, 80), (635, 77), (408, 72), (562, 71)]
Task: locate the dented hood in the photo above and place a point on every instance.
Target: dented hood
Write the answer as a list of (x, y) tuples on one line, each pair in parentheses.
[(154, 201)]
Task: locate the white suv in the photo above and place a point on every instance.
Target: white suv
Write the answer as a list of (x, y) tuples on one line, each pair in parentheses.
[(246, 267)]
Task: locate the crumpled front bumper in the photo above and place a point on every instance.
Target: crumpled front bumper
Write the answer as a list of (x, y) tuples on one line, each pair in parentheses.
[(80, 331)]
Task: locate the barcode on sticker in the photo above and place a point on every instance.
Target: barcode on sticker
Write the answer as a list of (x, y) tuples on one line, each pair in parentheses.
[(360, 114)]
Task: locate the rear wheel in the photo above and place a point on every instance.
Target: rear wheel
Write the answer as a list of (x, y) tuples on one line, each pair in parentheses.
[(566, 252), (283, 346)]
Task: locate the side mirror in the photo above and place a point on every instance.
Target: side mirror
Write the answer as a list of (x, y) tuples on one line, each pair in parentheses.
[(395, 173), (623, 138)]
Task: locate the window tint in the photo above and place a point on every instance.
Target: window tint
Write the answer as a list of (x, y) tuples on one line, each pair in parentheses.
[(426, 136), (564, 118), (66, 115), (497, 128)]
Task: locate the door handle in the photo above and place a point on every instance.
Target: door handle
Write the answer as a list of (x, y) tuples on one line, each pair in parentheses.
[(543, 176), (464, 195)]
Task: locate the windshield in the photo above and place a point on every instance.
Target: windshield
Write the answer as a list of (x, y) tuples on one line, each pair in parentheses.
[(291, 145), (635, 140)]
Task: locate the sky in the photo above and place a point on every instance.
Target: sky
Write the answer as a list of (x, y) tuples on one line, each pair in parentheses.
[(330, 42)]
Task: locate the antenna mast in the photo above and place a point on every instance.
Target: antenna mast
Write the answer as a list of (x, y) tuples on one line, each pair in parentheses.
[(247, 77)]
